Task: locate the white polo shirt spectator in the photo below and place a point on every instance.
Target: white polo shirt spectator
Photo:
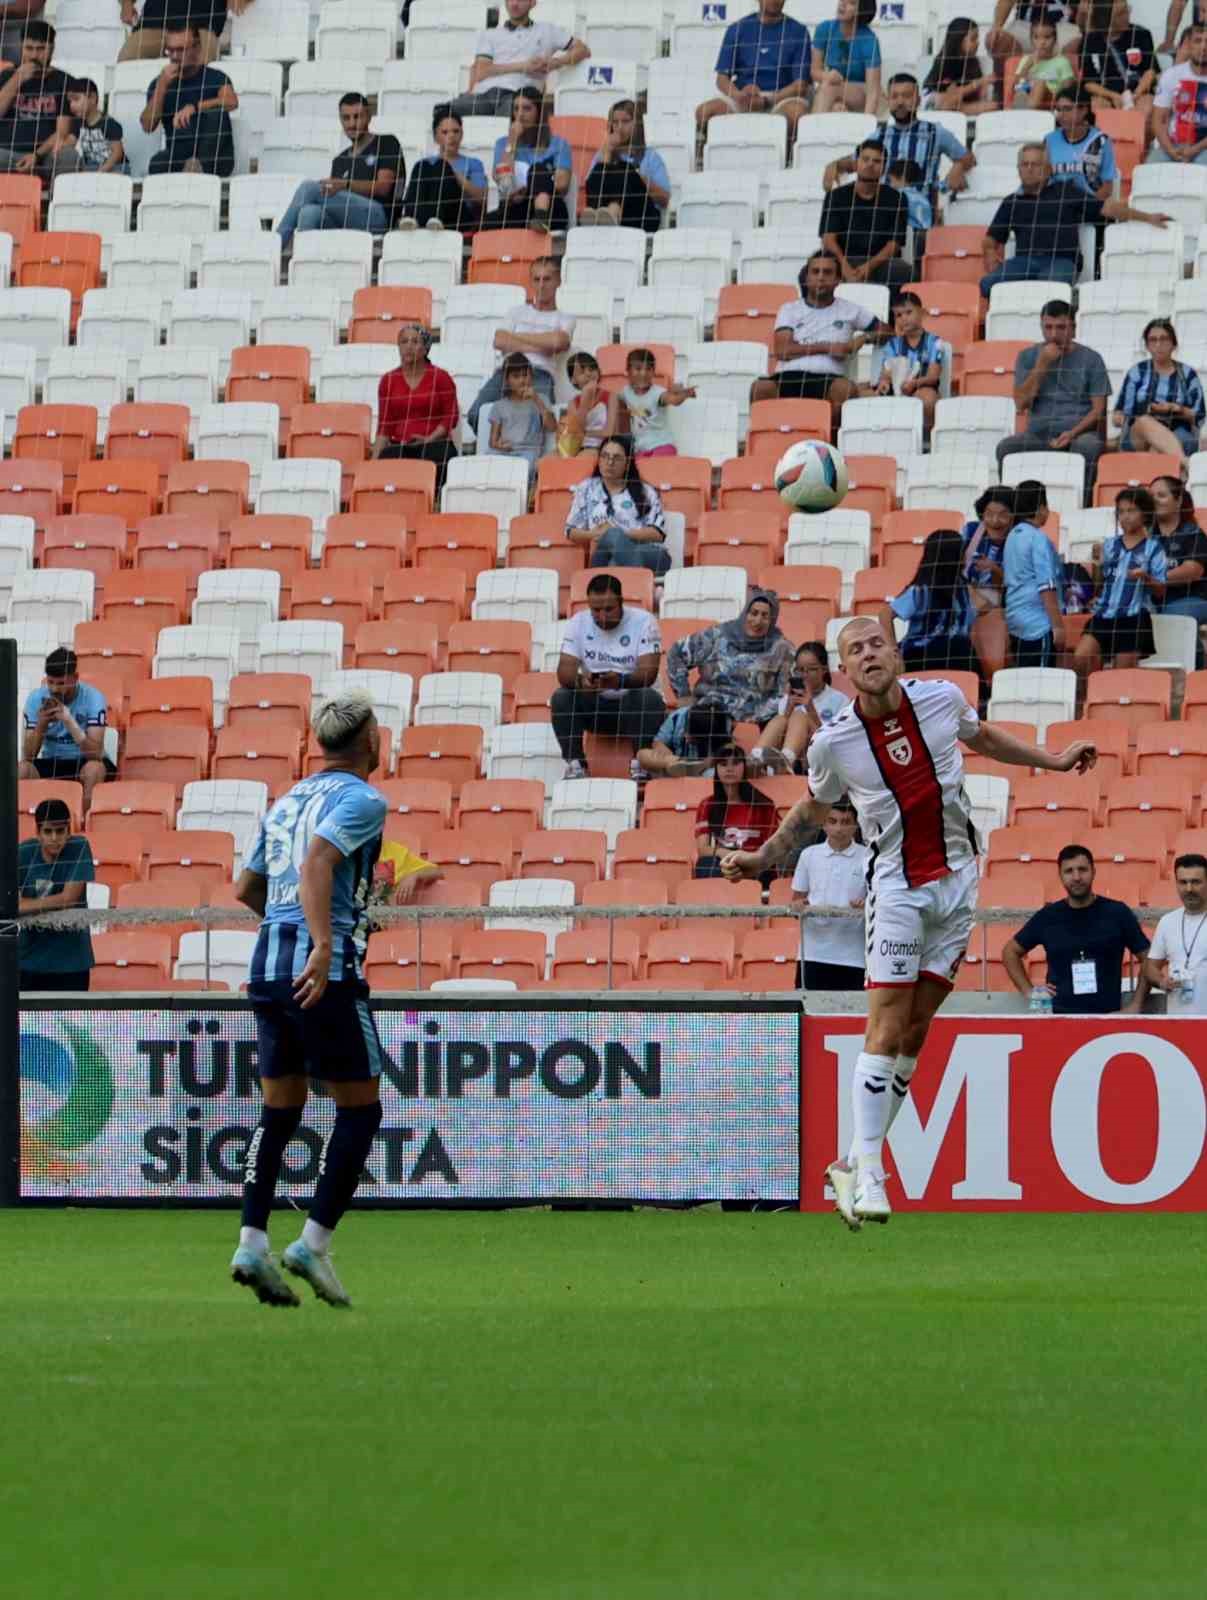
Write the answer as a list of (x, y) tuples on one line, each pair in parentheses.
[(1176, 961), (826, 876), (517, 40), (835, 323), (612, 650)]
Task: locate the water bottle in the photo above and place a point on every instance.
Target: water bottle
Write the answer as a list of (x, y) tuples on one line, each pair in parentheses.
[(1128, 100), (1040, 1003)]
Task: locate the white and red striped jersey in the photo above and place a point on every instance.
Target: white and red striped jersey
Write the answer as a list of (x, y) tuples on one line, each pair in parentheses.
[(904, 774)]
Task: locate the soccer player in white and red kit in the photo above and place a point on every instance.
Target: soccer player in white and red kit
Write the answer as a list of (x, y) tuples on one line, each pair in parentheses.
[(895, 752)]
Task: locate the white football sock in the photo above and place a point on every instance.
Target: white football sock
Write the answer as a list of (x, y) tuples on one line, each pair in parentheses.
[(870, 1097), (899, 1088), (316, 1237), (253, 1239)]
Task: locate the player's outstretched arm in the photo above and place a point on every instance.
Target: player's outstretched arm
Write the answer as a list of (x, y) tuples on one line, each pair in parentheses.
[(791, 834), (998, 745)]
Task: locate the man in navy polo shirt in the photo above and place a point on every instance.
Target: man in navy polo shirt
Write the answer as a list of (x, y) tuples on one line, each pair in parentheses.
[(763, 66)]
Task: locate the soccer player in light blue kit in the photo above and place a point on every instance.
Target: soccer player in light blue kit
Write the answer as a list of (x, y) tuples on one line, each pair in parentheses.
[(309, 875)]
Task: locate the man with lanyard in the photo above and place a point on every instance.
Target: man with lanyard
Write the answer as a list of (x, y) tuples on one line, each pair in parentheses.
[(364, 187), (815, 337), (518, 54), (908, 137), (1084, 937), (65, 727), (1177, 958), (53, 872)]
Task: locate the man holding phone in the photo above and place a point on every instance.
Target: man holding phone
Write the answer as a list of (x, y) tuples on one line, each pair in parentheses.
[(606, 672), (65, 727)]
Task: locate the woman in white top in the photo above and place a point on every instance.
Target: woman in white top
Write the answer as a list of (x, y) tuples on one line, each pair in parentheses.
[(617, 515), (811, 702)]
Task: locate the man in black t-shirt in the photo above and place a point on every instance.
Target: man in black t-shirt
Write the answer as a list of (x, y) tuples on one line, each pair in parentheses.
[(192, 103), (864, 223), (35, 119), (159, 17), (1084, 938), (366, 183)]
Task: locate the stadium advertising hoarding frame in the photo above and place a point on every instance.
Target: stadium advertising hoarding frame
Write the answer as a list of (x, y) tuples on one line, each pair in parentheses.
[(1015, 1113), (144, 1100)]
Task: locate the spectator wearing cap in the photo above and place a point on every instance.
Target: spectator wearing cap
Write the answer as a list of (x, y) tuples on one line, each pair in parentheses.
[(192, 103), (763, 65), (65, 727), (417, 412), (53, 871), (536, 329), (98, 138), (742, 666), (35, 118), (519, 54), (1085, 937), (364, 187), (150, 24)]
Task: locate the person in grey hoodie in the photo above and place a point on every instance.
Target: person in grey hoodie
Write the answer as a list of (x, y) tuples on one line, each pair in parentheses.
[(743, 665)]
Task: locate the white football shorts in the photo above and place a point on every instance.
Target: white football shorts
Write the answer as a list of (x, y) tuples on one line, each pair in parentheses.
[(913, 933)]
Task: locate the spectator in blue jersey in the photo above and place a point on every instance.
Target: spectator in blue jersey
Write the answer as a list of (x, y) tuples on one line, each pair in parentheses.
[(1079, 152), (365, 180), (1118, 60), (627, 183), (310, 877), (446, 189), (686, 743), (1033, 574), (53, 873), (845, 64), (910, 363), (1180, 103), (1160, 405), (908, 137), (763, 65), (192, 103), (1185, 551), (937, 608), (65, 727), (532, 170), (1129, 569)]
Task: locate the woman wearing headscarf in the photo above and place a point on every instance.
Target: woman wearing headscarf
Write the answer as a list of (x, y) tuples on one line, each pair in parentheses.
[(742, 666)]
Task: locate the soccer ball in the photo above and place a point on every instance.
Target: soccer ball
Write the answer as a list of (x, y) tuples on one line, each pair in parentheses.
[(811, 476)]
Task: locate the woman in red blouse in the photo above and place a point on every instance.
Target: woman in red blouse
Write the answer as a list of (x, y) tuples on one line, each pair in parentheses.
[(417, 406), (734, 810)]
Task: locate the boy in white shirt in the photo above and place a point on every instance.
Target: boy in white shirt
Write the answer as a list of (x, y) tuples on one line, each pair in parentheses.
[(833, 874)]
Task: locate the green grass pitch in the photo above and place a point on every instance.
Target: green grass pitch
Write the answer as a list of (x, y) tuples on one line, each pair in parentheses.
[(587, 1406)]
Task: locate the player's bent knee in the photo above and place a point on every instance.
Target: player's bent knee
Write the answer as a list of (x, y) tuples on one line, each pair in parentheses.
[(361, 1092)]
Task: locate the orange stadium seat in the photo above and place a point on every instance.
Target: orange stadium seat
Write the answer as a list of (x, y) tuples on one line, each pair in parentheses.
[(161, 704), (32, 791), (20, 207), (748, 539), (502, 810), (270, 755), (1140, 850), (126, 810), (272, 543), (70, 261), (1135, 806), (270, 374), (997, 769), (591, 953), (394, 488), (220, 491), (143, 432), (334, 431), (378, 313), (684, 483), (448, 751), (385, 646), (748, 311), (776, 424), (540, 541), (556, 479), (66, 434), (178, 543), (636, 584), (115, 860), (1111, 737), (326, 596), (88, 544), (456, 541), (269, 700), (1127, 132), (952, 311), (968, 683), (871, 487), (505, 255), (646, 892), (692, 956), (174, 754), (644, 853), (585, 136), (1194, 698), (608, 755), (672, 630), (982, 968), (131, 958), (1125, 469), (953, 255), (515, 953), (769, 957), (1030, 847), (531, 694), (1135, 696), (989, 367), (716, 892), (369, 544), (874, 588), (1191, 841), (673, 797), (314, 758), (1022, 886), (32, 489), (746, 484), (436, 594), (127, 489), (1173, 750), (910, 528), (1066, 797), (164, 895), (204, 857), (464, 858), (577, 854), (502, 647), (426, 800), (146, 599), (124, 649), (405, 958)]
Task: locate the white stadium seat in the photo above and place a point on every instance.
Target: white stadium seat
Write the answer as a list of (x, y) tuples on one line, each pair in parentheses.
[(533, 892), (392, 694), (241, 430), (231, 805), (260, 200), (1014, 308), (92, 202), (523, 750), (307, 317), (607, 803), (303, 488), (1081, 530), (216, 955), (1000, 135), (60, 598), (757, 142), (725, 370), (179, 376), (316, 87), (473, 699), (793, 199), (121, 320), (18, 383), (947, 480), (333, 259), (422, 260), (313, 648), (605, 257), (882, 426), (976, 423), (775, 255), (39, 318), (351, 373), (718, 592), (272, 30), (260, 86), (591, 309), (492, 485), (249, 263), (305, 145), (363, 33), (247, 599), (592, 87), (692, 258), (829, 137), (211, 319), (709, 426), (474, 312), (78, 377), (1134, 249), (208, 652), (724, 199), (525, 594), (181, 205), (155, 266), (1062, 474), (663, 316), (1040, 695)]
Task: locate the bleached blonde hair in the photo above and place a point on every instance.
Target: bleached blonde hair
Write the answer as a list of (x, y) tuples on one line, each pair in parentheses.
[(338, 721)]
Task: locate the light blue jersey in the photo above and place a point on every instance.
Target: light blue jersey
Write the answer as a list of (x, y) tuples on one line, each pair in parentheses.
[(348, 813)]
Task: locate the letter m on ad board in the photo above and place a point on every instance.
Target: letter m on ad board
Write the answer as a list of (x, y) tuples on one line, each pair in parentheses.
[(1023, 1114)]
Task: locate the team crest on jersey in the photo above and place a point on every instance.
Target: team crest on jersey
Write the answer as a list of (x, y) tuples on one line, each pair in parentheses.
[(900, 750)]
